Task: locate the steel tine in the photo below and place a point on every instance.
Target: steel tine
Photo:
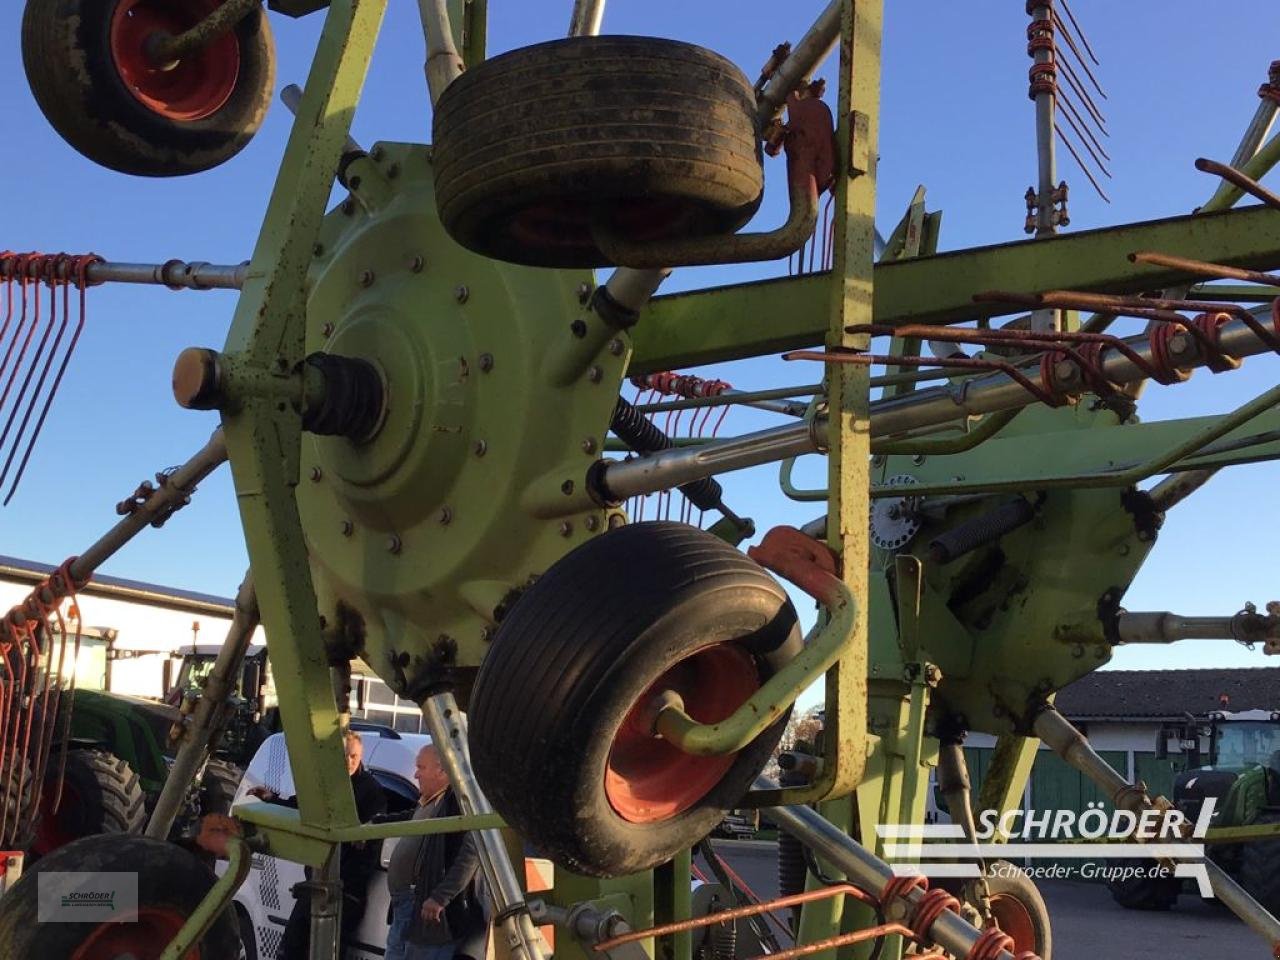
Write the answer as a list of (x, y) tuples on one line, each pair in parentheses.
[(23, 279), (1084, 38), (51, 268), (81, 267), (66, 716), (1080, 163), (1077, 88), (26, 339), (1084, 65)]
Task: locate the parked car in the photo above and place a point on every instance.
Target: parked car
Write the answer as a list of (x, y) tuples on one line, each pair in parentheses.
[(264, 901)]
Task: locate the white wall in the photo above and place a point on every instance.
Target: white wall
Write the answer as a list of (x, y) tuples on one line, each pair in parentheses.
[(141, 627)]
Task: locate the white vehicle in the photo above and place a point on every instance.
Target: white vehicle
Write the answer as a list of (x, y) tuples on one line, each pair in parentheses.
[(264, 901)]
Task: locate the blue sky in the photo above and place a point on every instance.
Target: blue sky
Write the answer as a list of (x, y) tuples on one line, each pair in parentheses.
[(955, 117)]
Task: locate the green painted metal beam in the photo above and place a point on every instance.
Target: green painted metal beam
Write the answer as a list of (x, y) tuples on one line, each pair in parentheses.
[(769, 316), (264, 436)]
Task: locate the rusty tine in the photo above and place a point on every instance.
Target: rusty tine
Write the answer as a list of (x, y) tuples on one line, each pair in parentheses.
[(78, 269), (6, 759), (1051, 342), (1073, 83), (1080, 163), (17, 331), (714, 919), (959, 363), (1239, 179), (1211, 271), (845, 939), (49, 273), (1084, 39)]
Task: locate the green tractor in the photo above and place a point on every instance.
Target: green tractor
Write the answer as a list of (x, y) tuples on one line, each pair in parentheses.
[(1242, 780), (119, 750)]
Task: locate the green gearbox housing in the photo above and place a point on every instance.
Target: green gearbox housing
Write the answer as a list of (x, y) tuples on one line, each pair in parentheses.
[(495, 408)]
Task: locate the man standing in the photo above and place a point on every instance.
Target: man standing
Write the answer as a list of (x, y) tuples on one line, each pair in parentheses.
[(435, 911), (357, 860)]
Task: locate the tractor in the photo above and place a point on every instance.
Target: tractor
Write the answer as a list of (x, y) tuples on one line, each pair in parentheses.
[(444, 431), (1242, 778), (107, 773)]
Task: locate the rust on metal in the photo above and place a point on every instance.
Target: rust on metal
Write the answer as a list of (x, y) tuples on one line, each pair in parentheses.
[(738, 913), (804, 561), (1239, 179)]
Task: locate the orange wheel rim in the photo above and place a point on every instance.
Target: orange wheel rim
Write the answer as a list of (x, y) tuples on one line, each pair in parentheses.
[(142, 935), (193, 88), (647, 779), (1014, 917)]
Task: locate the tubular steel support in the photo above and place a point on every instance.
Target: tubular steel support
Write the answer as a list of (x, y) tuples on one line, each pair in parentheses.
[(164, 49), (218, 899), (869, 873), (449, 734), (211, 713), (814, 47), (1069, 743), (267, 334), (774, 698), (175, 274), (587, 17)]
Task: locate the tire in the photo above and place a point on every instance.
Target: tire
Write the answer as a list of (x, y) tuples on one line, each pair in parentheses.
[(582, 651), (218, 786), (658, 136), (86, 70), (1260, 867), (171, 882), (15, 807), (1144, 892), (100, 794), (1019, 910), (248, 936)]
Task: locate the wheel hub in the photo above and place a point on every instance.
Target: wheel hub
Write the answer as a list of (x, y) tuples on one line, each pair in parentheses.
[(189, 89), (431, 520)]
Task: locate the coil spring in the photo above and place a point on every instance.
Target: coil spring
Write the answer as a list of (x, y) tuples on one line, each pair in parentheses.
[(723, 941), (639, 433), (792, 871)]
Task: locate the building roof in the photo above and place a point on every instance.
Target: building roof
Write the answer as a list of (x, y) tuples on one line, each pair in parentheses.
[(1169, 694), (31, 572)]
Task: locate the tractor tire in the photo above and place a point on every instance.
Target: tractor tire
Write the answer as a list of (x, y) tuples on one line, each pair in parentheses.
[(1144, 892), (656, 136), (559, 735), (16, 827), (1019, 910), (87, 70), (218, 786), (1260, 867), (100, 794), (171, 882)]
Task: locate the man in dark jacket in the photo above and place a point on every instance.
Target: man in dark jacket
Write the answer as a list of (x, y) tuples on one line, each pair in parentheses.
[(357, 860), (436, 912)]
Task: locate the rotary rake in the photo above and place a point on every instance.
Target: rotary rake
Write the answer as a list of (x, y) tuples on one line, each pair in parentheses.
[(417, 391)]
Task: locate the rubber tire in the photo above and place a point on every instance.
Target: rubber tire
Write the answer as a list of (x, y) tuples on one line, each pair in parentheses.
[(577, 651), (168, 877), (1260, 867), (66, 52), (615, 123), (218, 786), (108, 796), (1007, 880), (15, 802), (1144, 893), (248, 936)]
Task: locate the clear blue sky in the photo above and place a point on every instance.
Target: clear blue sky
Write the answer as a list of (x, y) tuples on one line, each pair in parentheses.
[(955, 117)]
